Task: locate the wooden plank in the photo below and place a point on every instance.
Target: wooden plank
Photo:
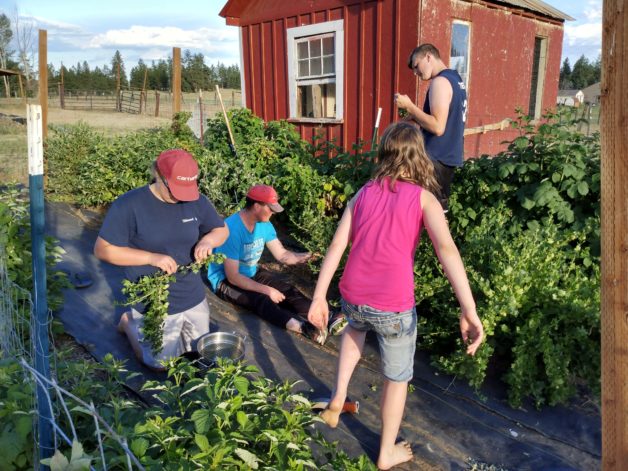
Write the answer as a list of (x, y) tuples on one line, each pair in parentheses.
[(176, 80), (43, 80), (614, 304)]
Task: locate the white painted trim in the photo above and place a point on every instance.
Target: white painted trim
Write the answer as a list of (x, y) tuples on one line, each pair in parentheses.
[(242, 80), (34, 122), (292, 34)]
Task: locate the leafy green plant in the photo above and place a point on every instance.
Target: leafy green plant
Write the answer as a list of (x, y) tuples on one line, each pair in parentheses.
[(15, 244), (16, 417), (152, 291), (78, 461)]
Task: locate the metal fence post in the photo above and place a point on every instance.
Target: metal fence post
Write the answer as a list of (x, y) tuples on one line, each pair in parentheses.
[(42, 352)]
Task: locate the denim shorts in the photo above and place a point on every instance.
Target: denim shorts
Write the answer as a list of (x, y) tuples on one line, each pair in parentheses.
[(396, 336)]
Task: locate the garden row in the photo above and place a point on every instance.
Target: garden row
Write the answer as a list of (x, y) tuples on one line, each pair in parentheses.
[(230, 419), (526, 222)]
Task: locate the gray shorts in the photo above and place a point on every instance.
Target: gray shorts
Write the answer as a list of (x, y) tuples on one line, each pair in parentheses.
[(396, 336), (180, 333)]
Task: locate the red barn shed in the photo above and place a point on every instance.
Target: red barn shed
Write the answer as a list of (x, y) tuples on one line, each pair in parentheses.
[(328, 65)]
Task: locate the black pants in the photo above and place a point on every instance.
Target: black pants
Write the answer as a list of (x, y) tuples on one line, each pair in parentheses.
[(444, 175), (296, 305)]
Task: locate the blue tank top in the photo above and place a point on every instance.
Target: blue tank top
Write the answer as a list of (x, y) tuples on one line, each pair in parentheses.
[(449, 148)]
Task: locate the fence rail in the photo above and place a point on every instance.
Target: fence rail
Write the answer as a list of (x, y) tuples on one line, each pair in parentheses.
[(134, 101)]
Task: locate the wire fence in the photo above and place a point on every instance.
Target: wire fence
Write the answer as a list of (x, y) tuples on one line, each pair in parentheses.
[(17, 343), (135, 101)]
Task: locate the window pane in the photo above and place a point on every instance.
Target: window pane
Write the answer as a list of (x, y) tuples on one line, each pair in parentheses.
[(328, 65), (315, 48), (302, 50), (304, 68), (328, 45), (316, 101), (460, 49), (315, 66)]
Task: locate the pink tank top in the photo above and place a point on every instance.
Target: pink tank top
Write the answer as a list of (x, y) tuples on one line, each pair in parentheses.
[(386, 228)]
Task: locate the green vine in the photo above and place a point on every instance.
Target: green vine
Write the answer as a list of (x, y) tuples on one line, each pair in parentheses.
[(152, 291)]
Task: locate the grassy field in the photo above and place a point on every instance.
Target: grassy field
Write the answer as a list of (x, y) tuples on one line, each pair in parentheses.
[(13, 141)]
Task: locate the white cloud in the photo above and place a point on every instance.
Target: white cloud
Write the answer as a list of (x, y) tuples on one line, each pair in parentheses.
[(206, 39), (593, 11), (587, 34)]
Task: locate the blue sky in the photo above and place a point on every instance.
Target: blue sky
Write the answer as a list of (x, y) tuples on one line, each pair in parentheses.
[(82, 30)]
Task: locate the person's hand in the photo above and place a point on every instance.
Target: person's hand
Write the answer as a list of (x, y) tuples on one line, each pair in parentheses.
[(303, 257), (163, 262), (202, 250), (472, 331), (276, 296), (403, 101), (318, 314)]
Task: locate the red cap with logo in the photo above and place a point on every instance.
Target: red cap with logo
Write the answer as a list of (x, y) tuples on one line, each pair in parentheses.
[(180, 171), (265, 194)]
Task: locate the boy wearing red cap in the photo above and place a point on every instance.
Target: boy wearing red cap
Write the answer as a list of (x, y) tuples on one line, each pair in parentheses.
[(162, 226), (239, 280)]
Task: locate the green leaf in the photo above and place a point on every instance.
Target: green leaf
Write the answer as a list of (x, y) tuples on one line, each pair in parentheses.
[(242, 418), (202, 442), (241, 384), (249, 458), (583, 188), (201, 419), (58, 462), (139, 447)]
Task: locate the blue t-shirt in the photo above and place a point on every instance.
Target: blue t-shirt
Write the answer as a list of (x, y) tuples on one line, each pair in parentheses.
[(242, 245), (139, 220), (449, 148)]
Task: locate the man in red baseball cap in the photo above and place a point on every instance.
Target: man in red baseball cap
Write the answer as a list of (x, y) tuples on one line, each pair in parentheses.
[(162, 226), (240, 281)]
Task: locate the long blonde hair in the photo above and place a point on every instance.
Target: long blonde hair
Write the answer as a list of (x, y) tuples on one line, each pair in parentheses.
[(401, 156)]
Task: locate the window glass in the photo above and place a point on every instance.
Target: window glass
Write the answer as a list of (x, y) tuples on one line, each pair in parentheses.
[(328, 45), (302, 50), (304, 68), (315, 48), (459, 56)]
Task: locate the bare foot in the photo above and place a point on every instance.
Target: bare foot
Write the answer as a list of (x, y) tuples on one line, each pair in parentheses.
[(124, 320), (331, 415), (398, 454)]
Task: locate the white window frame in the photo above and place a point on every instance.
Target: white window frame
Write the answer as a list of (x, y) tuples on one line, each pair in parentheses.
[(468, 25), (292, 35)]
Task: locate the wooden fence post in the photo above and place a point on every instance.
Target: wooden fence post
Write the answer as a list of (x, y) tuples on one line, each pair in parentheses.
[(614, 289), (43, 80), (176, 80), (156, 104)]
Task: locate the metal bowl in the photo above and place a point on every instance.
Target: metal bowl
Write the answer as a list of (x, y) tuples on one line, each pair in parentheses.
[(215, 345)]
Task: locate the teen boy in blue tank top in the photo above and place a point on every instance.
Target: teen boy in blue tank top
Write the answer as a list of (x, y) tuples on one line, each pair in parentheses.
[(443, 115)]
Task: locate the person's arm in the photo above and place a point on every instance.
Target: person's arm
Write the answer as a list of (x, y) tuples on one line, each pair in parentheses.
[(441, 93), (236, 278), (127, 256), (318, 313), (209, 242), (284, 255), (434, 219)]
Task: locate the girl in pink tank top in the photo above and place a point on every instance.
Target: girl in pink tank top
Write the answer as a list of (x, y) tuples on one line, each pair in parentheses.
[(383, 223)]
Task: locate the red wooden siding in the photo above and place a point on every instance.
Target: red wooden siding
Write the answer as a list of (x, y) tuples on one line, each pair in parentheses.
[(379, 35)]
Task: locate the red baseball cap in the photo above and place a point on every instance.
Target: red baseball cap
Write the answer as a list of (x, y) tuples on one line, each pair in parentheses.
[(180, 171), (265, 194)]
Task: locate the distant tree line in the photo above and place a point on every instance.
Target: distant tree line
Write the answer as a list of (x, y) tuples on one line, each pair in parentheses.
[(195, 75), (581, 75)]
